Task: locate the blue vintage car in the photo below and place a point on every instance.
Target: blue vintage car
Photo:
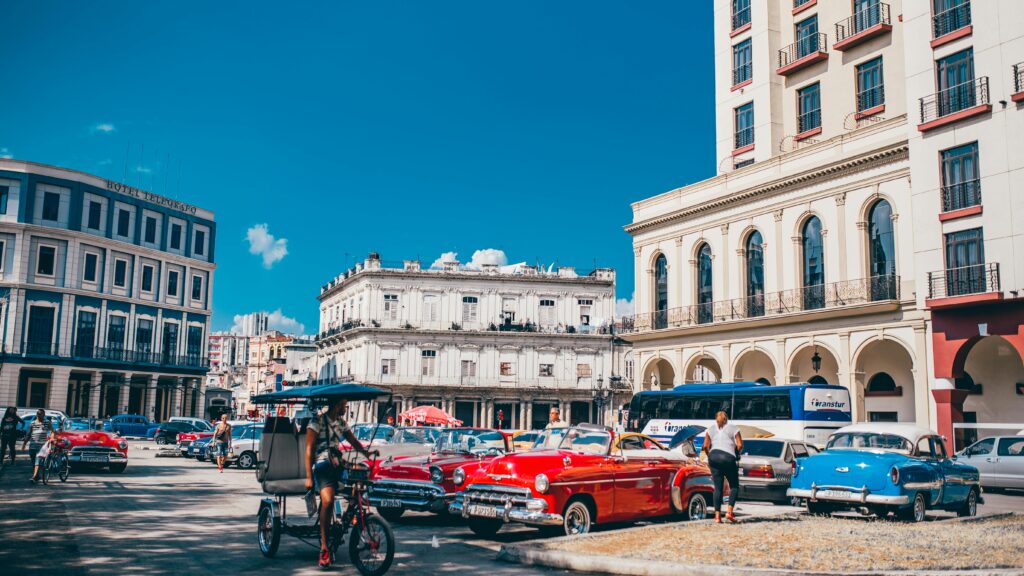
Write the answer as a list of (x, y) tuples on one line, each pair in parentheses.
[(877, 468)]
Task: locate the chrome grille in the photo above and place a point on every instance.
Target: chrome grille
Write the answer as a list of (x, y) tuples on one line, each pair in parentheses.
[(92, 450), (496, 494)]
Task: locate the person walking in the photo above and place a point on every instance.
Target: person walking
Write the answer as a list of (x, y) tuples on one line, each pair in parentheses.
[(9, 433), (723, 444), (38, 434), (221, 440)]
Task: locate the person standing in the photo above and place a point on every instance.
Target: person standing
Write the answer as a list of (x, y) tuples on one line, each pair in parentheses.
[(555, 419), (38, 434), (221, 439), (9, 433), (722, 444)]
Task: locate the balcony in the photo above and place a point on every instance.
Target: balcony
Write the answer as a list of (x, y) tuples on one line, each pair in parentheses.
[(98, 356), (803, 53), (862, 26), (743, 141), (964, 285), (1018, 83), (952, 24), (959, 198), (742, 76), (740, 21), (954, 104), (502, 325), (836, 296)]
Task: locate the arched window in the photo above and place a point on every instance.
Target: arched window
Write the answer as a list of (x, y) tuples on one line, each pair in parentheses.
[(764, 381), (817, 380), (755, 274), (661, 292), (814, 265), (705, 295), (881, 382), (881, 252)]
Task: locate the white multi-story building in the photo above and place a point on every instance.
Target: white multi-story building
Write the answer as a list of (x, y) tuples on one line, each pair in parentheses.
[(105, 295), (253, 324), (811, 256), (491, 346)]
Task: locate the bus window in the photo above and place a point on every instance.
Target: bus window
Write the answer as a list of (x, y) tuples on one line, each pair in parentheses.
[(750, 409), (682, 409), (778, 408)]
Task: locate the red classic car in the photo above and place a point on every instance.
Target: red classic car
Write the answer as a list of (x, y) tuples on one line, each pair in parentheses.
[(97, 448), (424, 483), (593, 476)]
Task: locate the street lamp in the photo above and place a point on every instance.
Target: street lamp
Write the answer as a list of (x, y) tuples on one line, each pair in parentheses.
[(601, 397), (816, 361)]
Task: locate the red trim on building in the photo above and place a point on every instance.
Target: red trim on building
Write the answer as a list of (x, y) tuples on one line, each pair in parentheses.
[(739, 30), (961, 213), (742, 149), (807, 134), (802, 63), (866, 34), (741, 84), (979, 109), (960, 301), (949, 408), (869, 112), (954, 35), (955, 331), (803, 7), (1019, 96)]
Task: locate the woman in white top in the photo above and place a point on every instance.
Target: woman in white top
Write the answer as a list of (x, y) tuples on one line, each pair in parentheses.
[(723, 443)]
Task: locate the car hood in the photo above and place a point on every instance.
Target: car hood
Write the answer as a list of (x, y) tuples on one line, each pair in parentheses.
[(852, 468), (91, 438), (523, 467), (418, 468)]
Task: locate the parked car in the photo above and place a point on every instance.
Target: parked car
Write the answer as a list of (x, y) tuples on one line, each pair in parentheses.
[(524, 439), (999, 460), (877, 468), (766, 467), (381, 434), (185, 439), (55, 420), (594, 476), (167, 432), (198, 449), (425, 483), (23, 412), (97, 448), (129, 425), (199, 423)]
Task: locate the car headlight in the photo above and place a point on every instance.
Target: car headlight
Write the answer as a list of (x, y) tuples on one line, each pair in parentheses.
[(894, 474), (541, 483), (122, 445), (436, 476), (459, 476)]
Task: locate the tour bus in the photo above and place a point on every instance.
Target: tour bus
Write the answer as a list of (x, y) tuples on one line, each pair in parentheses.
[(809, 412)]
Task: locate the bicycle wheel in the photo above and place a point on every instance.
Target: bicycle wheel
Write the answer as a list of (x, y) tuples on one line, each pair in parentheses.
[(45, 472), (371, 546), (63, 467)]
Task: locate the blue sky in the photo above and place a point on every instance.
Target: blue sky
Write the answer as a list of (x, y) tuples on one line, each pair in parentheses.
[(407, 128)]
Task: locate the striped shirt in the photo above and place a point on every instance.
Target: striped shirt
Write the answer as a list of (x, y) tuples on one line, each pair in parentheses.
[(37, 433), (328, 434)]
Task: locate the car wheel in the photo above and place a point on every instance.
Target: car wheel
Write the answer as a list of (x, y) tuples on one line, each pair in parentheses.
[(577, 518), (391, 514), (268, 532), (818, 508), (118, 468), (200, 457), (970, 507), (484, 527), (697, 507), (160, 440), (246, 460), (916, 511)]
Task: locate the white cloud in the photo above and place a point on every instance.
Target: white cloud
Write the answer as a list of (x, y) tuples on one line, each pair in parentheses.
[(263, 243), (104, 127), (276, 320), (480, 257), (624, 307), (5, 154)]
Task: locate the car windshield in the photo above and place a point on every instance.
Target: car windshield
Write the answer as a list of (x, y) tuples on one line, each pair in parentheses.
[(239, 431), (765, 448), (202, 426), (549, 438), (470, 441), (526, 437), (380, 432), (869, 440), (586, 441), (417, 435)]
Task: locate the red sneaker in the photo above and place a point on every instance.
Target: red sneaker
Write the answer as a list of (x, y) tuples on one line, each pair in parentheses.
[(325, 558)]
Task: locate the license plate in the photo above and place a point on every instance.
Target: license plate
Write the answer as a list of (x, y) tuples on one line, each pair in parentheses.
[(841, 494), (390, 503), (93, 458), (485, 511)]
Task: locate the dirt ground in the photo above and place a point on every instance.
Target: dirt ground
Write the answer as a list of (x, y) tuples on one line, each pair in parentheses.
[(821, 544)]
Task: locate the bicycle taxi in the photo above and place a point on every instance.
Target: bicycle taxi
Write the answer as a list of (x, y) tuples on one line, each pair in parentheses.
[(282, 473)]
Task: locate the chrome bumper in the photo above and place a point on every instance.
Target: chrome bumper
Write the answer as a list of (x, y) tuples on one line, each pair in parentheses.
[(508, 513), (413, 494), (101, 458), (857, 495)]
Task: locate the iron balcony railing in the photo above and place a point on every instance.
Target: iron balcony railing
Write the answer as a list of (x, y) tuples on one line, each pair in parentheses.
[(961, 195), (803, 47), (808, 120), (114, 355), (744, 137), (954, 99), (872, 15), (964, 280), (820, 297), (1018, 77), (799, 3), (741, 17), (952, 19), (39, 348), (742, 73), (870, 98)]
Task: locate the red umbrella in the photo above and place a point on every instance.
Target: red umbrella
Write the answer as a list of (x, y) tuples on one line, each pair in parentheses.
[(428, 415)]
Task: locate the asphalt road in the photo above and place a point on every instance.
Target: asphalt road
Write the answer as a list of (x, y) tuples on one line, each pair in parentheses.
[(174, 516)]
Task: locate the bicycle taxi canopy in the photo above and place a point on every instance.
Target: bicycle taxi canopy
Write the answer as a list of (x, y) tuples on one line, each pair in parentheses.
[(321, 394)]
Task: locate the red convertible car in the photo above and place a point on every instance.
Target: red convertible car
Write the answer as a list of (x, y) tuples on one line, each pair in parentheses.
[(594, 476), (424, 483), (97, 448)]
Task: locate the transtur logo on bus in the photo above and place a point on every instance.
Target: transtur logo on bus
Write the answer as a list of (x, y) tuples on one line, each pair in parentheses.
[(828, 404)]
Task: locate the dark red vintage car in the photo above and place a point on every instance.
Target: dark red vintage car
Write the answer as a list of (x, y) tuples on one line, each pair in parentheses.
[(594, 476), (424, 483), (97, 448)]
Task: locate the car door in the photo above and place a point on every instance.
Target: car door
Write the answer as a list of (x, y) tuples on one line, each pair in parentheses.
[(636, 480), (981, 455), (1009, 462), (954, 486), (924, 453)]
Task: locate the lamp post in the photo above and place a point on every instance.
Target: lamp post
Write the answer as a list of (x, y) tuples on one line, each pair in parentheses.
[(816, 361), (601, 397)]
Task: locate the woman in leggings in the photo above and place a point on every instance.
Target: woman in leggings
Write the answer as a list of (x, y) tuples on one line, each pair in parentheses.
[(723, 443)]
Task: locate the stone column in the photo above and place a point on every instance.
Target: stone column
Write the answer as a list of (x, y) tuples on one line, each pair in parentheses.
[(175, 408), (847, 380), (125, 392), (148, 396), (58, 397), (922, 414), (94, 394)]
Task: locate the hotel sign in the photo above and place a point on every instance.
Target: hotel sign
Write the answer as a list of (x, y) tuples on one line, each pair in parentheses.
[(150, 197)]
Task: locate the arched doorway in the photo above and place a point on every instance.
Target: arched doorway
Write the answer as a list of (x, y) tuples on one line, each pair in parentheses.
[(659, 375), (997, 393), (885, 369), (754, 365), (702, 370), (801, 366)]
